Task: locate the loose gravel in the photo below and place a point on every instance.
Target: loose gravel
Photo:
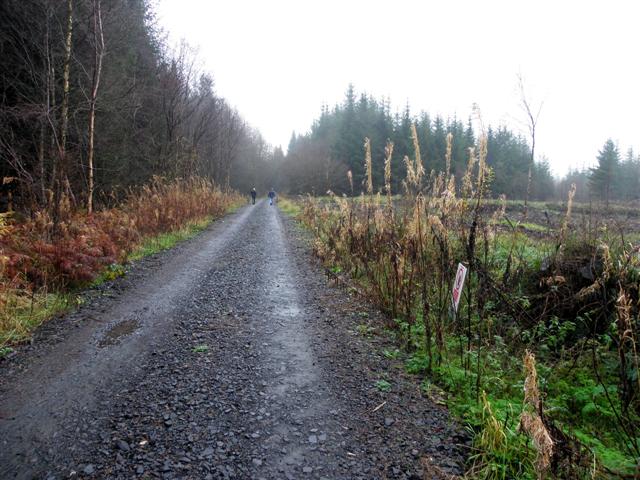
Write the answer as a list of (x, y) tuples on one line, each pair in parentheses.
[(227, 357)]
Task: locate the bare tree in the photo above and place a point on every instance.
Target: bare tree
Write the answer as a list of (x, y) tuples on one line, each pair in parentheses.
[(532, 113)]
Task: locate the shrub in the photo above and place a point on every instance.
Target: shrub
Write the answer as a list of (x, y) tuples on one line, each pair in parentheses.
[(38, 257)]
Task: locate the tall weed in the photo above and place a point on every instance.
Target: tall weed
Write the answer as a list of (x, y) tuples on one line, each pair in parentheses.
[(567, 296)]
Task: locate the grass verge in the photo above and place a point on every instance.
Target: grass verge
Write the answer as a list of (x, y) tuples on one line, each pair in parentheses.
[(289, 207), (168, 240), (21, 314)]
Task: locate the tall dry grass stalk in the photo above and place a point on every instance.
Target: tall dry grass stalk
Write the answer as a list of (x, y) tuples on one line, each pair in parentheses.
[(388, 153), (419, 168), (531, 418), (500, 212), (368, 166), (467, 179), (350, 179), (627, 346), (448, 155), (493, 436), (415, 169), (410, 178), (483, 169), (565, 222)]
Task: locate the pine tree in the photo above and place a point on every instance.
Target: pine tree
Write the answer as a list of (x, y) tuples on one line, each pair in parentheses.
[(603, 177), (630, 176)]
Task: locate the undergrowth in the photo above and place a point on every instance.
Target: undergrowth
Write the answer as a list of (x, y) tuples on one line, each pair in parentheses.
[(43, 262), (563, 304)]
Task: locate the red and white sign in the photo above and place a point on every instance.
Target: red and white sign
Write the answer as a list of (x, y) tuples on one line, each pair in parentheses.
[(458, 285)]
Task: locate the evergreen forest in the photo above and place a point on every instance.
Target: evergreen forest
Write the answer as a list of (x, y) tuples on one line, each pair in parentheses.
[(318, 161)]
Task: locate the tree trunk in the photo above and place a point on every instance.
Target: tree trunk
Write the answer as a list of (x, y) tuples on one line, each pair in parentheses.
[(43, 196), (64, 116), (98, 39), (532, 120), (46, 115), (531, 165)]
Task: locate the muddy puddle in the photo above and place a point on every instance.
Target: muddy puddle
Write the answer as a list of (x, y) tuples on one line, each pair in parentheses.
[(115, 334)]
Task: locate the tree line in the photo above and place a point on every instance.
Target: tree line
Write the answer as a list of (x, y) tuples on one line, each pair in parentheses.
[(320, 159), (331, 156), (613, 178), (93, 102)]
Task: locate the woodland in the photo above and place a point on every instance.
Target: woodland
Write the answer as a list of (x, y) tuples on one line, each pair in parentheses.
[(93, 102), (318, 161)]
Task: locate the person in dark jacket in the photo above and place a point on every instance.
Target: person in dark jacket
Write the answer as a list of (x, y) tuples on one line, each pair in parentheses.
[(253, 195), (272, 196)]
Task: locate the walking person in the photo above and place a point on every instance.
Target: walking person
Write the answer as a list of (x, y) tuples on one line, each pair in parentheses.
[(272, 196), (253, 195)]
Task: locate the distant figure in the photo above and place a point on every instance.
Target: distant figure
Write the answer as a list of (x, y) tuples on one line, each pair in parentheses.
[(253, 195), (272, 196)]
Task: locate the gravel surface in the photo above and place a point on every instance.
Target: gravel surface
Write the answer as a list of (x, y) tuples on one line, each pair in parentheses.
[(227, 357)]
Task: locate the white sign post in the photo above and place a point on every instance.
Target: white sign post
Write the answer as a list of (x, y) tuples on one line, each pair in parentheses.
[(458, 285)]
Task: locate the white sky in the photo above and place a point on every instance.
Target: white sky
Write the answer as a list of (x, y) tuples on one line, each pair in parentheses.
[(277, 61)]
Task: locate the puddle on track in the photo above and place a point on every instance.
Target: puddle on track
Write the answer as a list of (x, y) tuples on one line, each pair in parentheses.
[(119, 330), (287, 310)]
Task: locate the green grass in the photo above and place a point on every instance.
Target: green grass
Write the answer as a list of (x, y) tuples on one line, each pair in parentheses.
[(383, 385), (201, 349), (289, 207), (4, 351), (524, 249), (392, 354), (365, 330), (236, 205), (165, 241), (110, 273), (573, 399), (633, 238), (24, 313)]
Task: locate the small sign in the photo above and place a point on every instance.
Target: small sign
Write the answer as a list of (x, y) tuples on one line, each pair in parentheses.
[(458, 285)]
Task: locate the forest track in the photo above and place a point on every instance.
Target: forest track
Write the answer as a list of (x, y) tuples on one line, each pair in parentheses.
[(226, 357)]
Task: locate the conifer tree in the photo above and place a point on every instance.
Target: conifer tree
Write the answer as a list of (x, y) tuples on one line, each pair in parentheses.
[(604, 175), (630, 176)]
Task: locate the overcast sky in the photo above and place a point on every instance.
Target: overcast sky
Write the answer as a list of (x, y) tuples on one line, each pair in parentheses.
[(277, 61)]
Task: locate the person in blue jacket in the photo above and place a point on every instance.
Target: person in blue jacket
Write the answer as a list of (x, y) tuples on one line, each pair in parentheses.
[(272, 196)]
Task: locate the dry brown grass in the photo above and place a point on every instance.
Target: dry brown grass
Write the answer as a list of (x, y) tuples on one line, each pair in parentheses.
[(531, 418), (39, 259), (404, 256)]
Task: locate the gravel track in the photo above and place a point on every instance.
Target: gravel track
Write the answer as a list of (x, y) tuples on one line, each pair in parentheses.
[(226, 357)]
